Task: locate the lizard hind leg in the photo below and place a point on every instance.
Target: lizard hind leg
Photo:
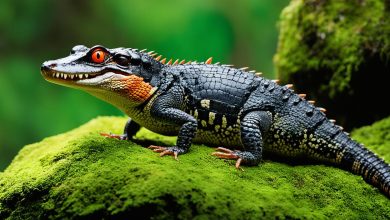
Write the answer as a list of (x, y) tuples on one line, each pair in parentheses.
[(252, 126)]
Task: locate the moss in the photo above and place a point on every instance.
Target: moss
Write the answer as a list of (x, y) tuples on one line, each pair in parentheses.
[(338, 52), (80, 174), (377, 136)]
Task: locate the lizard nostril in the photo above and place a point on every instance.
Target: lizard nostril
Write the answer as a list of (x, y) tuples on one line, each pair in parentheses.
[(46, 66)]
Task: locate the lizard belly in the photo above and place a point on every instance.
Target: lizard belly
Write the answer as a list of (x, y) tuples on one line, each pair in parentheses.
[(216, 129), (219, 137)]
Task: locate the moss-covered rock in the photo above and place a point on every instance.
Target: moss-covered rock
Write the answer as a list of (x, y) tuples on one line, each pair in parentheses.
[(80, 174), (339, 53)]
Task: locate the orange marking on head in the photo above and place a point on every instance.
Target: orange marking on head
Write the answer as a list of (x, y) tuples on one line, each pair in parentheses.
[(137, 89)]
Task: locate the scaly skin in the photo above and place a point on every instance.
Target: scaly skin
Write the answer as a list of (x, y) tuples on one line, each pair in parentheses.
[(215, 105)]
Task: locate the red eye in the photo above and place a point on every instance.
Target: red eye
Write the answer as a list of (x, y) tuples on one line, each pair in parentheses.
[(98, 56)]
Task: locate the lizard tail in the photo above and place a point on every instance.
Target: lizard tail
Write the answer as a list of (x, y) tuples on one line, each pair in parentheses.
[(361, 161)]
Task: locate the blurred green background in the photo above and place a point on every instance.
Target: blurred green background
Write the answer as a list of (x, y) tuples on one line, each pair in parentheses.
[(243, 33)]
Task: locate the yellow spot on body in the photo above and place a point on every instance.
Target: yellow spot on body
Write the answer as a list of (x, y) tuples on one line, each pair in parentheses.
[(211, 118), (196, 113), (151, 92), (356, 166), (375, 178), (217, 127), (204, 123), (366, 173), (205, 103), (224, 121)]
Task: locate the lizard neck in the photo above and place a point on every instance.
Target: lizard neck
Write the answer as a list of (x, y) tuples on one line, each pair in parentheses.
[(129, 98)]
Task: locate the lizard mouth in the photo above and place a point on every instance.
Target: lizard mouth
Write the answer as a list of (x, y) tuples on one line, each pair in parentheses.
[(67, 76), (53, 75), (81, 80), (58, 76)]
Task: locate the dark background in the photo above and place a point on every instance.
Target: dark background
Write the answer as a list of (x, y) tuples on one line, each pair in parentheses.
[(243, 33)]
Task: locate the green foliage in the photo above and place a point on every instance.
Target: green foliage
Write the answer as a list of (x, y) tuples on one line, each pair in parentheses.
[(339, 53), (333, 36), (80, 174), (238, 32)]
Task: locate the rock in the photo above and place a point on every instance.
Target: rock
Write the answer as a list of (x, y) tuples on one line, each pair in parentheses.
[(339, 53), (80, 174)]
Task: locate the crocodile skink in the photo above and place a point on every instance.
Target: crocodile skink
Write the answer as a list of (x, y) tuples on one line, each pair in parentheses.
[(237, 110)]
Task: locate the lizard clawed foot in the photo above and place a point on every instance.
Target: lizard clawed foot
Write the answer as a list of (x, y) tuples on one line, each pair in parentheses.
[(116, 136), (225, 153), (164, 151)]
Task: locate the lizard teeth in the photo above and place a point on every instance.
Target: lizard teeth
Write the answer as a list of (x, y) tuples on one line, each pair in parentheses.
[(72, 76)]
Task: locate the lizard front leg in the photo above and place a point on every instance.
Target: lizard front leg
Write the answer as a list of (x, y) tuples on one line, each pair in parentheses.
[(131, 128), (165, 110), (253, 125)]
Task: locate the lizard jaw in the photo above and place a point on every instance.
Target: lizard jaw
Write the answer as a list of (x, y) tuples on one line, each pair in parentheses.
[(78, 79)]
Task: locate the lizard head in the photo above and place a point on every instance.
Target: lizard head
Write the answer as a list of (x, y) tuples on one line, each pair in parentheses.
[(109, 74)]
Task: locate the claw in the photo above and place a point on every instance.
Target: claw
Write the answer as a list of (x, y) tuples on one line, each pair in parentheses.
[(225, 155), (238, 163), (166, 152), (153, 147), (225, 150), (175, 154), (116, 136), (163, 151), (158, 150)]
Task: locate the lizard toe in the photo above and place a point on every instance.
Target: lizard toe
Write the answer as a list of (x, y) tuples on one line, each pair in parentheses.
[(174, 151), (115, 136)]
